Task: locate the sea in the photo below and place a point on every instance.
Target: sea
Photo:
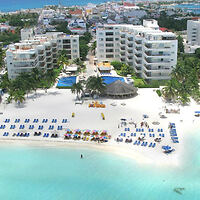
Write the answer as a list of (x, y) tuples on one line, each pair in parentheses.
[(192, 8), (51, 173), (13, 5)]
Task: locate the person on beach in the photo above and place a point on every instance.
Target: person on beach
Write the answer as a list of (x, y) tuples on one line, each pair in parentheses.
[(81, 155)]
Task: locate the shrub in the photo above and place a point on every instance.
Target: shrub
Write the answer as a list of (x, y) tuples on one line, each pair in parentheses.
[(159, 93)]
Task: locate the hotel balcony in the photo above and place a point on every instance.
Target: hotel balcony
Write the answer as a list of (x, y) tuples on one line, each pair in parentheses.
[(138, 69), (48, 48), (41, 58), (156, 61), (40, 52), (49, 66), (42, 64), (150, 53), (54, 45), (156, 76), (48, 54), (122, 36), (149, 68), (148, 46), (49, 60)]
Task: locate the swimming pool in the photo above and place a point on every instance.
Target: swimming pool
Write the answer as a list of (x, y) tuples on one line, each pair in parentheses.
[(110, 79), (66, 81)]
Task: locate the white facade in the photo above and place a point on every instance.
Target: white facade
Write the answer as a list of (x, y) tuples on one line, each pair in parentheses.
[(41, 51), (193, 32), (27, 33), (151, 52)]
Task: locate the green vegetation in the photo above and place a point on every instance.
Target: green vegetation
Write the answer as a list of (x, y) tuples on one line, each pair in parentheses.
[(9, 37), (77, 88), (2, 55), (171, 23), (122, 69), (180, 44), (20, 20), (159, 93), (197, 53), (83, 45), (95, 85), (62, 27), (184, 82)]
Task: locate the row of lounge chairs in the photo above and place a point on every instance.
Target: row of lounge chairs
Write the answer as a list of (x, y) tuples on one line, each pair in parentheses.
[(40, 127), (35, 120), (173, 133), (21, 134), (142, 130), (138, 142), (150, 134)]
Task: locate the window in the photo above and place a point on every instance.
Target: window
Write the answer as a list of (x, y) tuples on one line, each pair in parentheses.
[(116, 50), (74, 40), (74, 50), (100, 39), (116, 39), (109, 56), (109, 39)]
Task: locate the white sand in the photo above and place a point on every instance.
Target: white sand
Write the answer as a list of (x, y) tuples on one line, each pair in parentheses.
[(60, 104)]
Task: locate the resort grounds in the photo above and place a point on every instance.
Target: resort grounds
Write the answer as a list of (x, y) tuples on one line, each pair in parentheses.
[(60, 104)]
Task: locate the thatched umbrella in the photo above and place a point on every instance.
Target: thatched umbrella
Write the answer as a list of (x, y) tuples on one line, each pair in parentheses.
[(120, 89), (104, 133)]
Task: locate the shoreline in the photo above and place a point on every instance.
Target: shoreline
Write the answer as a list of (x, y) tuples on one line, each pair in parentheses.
[(117, 149)]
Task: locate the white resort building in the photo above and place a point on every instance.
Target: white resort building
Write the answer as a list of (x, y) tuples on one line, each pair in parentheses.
[(151, 52), (39, 51), (193, 32)]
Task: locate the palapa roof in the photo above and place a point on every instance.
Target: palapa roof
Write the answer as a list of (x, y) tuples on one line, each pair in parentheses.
[(119, 88)]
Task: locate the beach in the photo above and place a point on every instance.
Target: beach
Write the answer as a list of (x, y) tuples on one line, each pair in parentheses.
[(60, 104)]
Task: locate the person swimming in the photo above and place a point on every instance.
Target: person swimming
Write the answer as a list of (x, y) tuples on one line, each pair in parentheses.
[(81, 155)]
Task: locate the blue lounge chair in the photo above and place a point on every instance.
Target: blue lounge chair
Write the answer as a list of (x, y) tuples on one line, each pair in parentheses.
[(125, 129), (28, 134), (18, 134), (26, 120), (138, 143), (136, 129), (44, 135), (142, 144), (64, 121), (135, 142), (161, 130), (145, 144), (17, 120), (135, 134), (174, 138), (131, 134), (121, 134), (153, 135), (124, 134), (159, 134), (142, 130), (128, 129), (158, 130), (163, 135), (149, 134), (47, 135), (150, 144), (154, 144), (149, 130)]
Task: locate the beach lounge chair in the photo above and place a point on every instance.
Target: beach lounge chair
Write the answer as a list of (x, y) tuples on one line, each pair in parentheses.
[(158, 130), (161, 130), (138, 143), (18, 134), (21, 126), (125, 129), (134, 134), (131, 134), (64, 121), (136, 129), (153, 135), (145, 144), (44, 135), (26, 120), (17, 120), (163, 135), (142, 144), (150, 144), (135, 142), (159, 134), (154, 144), (142, 130), (28, 134), (122, 134), (149, 130), (7, 120), (174, 138), (149, 134)]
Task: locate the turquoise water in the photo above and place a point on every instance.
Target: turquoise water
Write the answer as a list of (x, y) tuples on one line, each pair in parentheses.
[(110, 79), (195, 8), (59, 173), (66, 81), (12, 5)]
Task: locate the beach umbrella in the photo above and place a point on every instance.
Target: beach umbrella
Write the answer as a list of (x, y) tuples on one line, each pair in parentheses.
[(103, 133), (95, 132), (166, 148)]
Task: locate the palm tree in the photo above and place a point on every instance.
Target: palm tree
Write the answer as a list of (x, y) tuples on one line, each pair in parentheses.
[(95, 85), (169, 91), (19, 96), (77, 88)]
